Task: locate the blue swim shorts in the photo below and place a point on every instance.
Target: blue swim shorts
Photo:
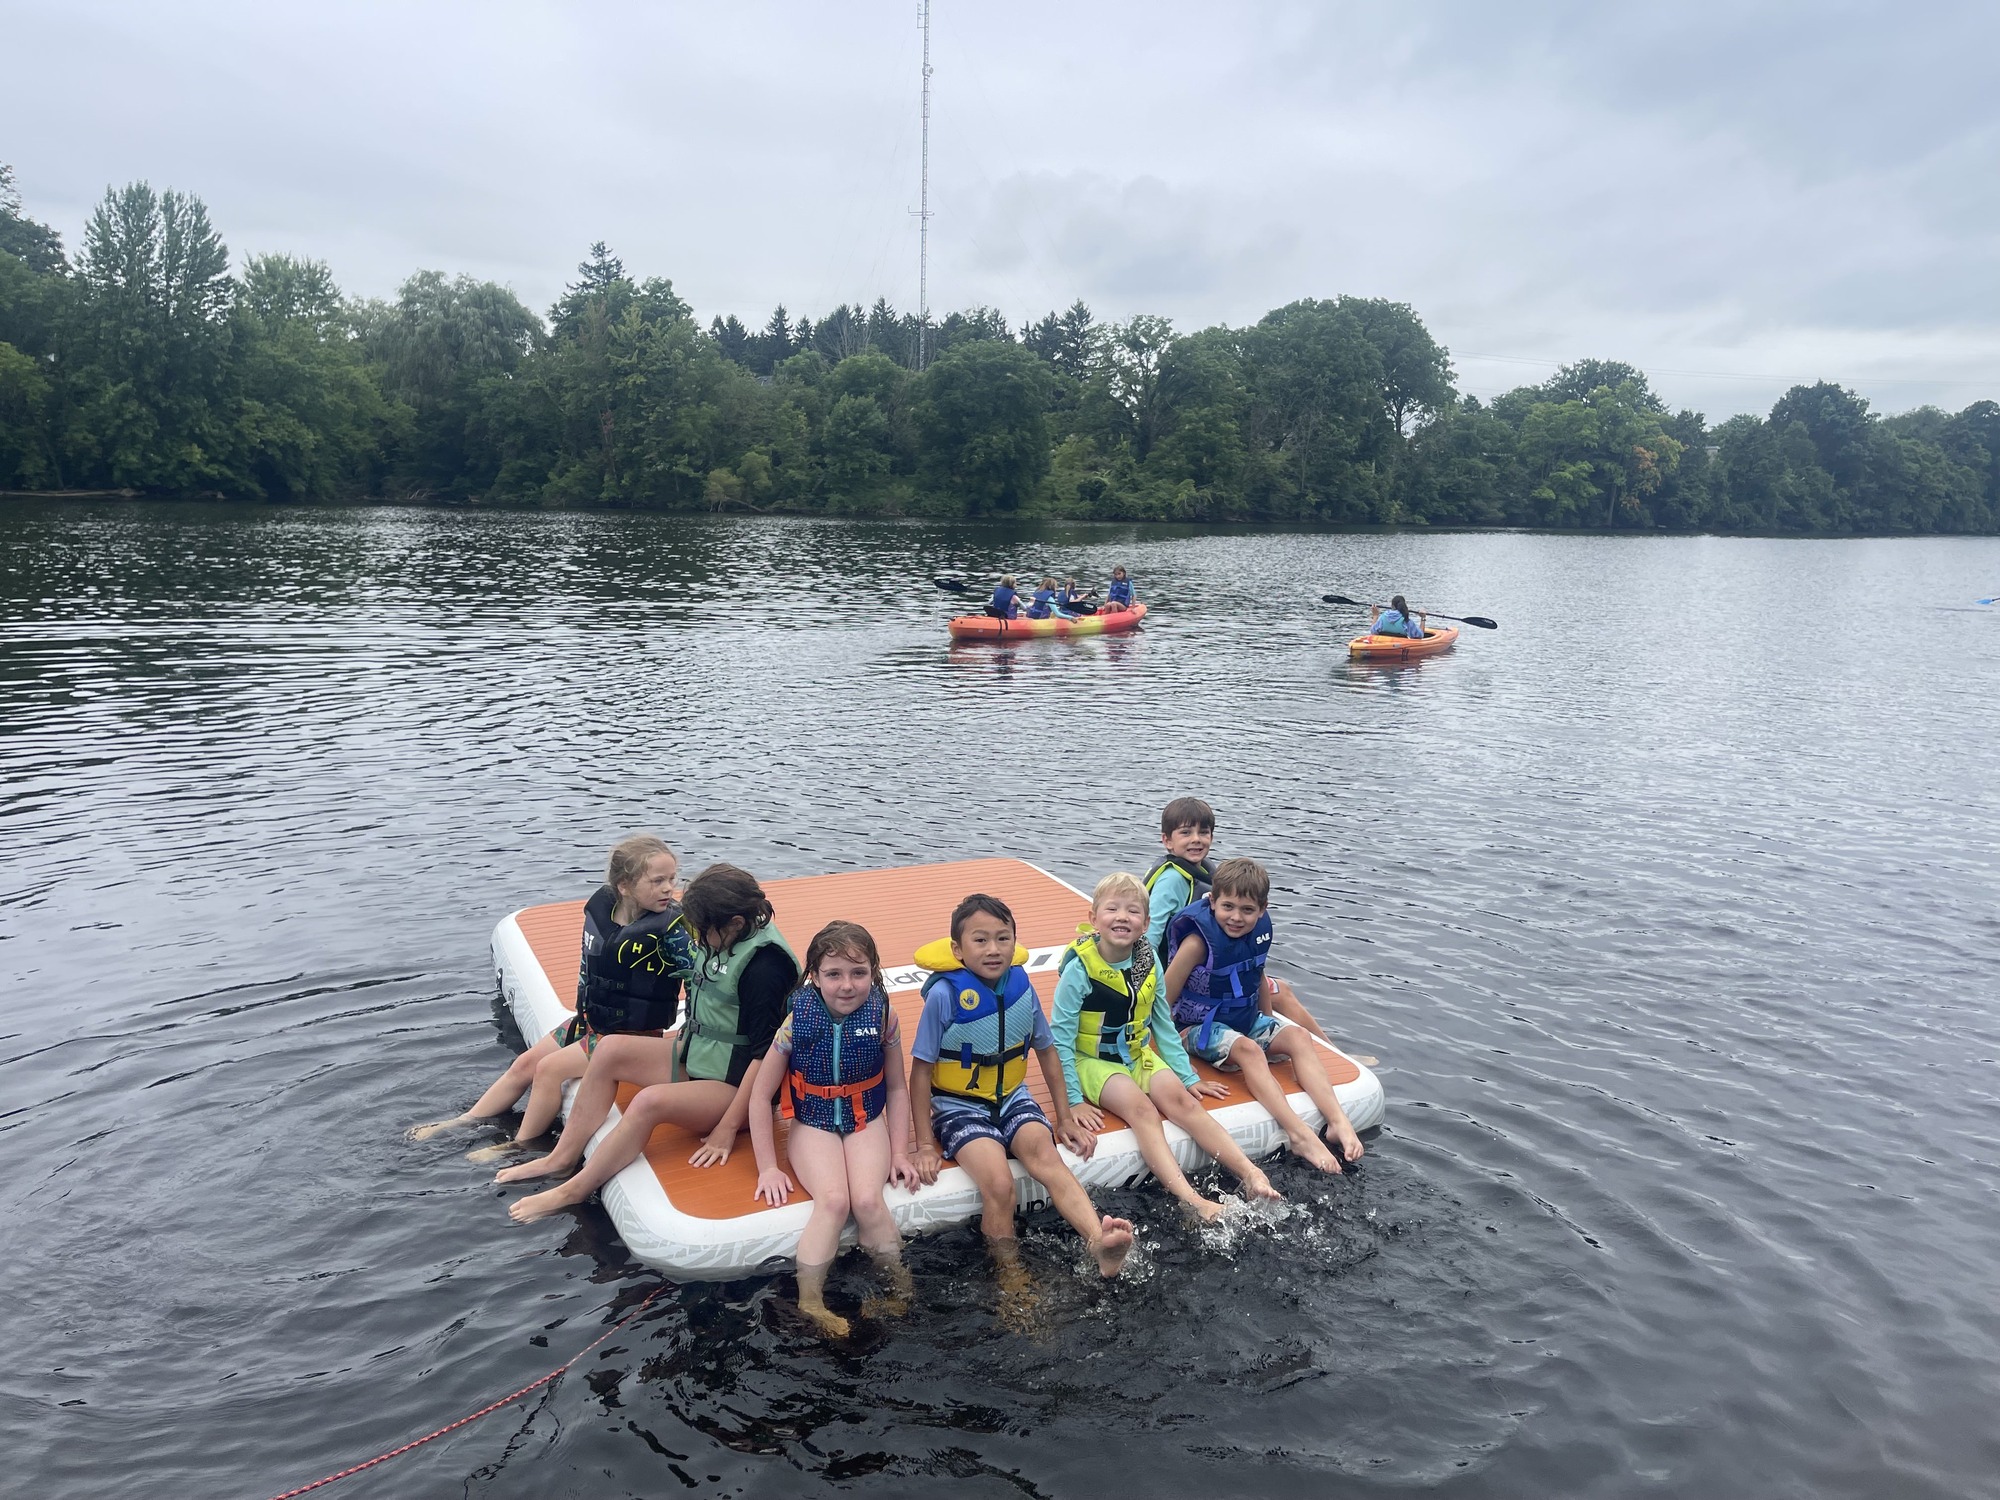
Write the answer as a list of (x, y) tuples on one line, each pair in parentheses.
[(1221, 1039), (954, 1123)]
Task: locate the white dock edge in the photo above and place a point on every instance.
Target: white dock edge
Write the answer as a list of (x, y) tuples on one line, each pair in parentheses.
[(689, 1248)]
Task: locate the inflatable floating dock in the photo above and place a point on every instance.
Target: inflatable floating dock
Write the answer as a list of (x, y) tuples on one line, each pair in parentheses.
[(694, 1223)]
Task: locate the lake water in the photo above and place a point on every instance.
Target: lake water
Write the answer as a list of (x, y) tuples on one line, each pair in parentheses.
[(1670, 909)]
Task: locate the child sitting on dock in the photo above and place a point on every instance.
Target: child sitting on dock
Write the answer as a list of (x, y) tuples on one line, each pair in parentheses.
[(636, 953), (699, 1080), (1215, 982), (841, 1055), (1187, 829), (968, 1084), (1115, 1057)]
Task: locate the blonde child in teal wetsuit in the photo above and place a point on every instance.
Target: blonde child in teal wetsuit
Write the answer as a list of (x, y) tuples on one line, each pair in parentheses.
[(1115, 1057)]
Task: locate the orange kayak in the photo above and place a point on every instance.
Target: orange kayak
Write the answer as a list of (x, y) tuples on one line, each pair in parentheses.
[(1104, 622), (1400, 648)]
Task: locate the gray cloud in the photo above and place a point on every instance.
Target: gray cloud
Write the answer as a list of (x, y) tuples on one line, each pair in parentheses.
[(1733, 196)]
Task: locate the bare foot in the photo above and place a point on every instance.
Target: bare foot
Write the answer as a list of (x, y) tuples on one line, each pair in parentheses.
[(895, 1302), (528, 1171), (436, 1127), (1113, 1244), (1313, 1149), (493, 1153), (540, 1205), (1019, 1301), (831, 1323), (1259, 1186), (1343, 1139), (1365, 1060)]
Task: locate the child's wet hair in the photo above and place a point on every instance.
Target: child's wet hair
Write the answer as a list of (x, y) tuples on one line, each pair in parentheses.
[(630, 856), (978, 904), (721, 893), (1186, 812), (1006, 580), (1399, 606), (844, 940), (1242, 877)]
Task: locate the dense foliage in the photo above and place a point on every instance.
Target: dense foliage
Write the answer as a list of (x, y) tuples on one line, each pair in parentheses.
[(144, 364)]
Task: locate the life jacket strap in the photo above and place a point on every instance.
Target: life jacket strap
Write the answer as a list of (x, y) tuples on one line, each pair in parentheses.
[(853, 1093)]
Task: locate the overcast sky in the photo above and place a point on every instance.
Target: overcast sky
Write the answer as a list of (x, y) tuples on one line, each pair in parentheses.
[(1733, 196)]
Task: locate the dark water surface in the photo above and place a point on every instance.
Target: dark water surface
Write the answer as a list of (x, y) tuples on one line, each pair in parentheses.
[(1670, 909)]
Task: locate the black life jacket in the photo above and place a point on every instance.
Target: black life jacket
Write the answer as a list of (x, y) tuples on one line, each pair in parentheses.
[(630, 978)]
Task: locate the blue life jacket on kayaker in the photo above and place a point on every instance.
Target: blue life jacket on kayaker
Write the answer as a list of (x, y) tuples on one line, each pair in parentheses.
[(983, 1051), (630, 977), (1043, 604), (1119, 591), (1395, 622), (1225, 989), (1005, 604), (838, 1081)]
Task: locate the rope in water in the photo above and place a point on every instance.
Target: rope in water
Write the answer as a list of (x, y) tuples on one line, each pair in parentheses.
[(535, 1385)]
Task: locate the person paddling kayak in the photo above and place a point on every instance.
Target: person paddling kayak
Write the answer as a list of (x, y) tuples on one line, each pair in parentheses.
[(1006, 603), (1397, 619)]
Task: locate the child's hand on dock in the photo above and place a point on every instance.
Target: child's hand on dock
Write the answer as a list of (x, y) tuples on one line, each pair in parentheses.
[(773, 1186)]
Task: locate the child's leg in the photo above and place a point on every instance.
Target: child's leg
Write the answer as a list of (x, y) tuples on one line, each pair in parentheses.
[(1312, 1078), (644, 1060), (1121, 1096), (1267, 1091), (545, 1098), (985, 1162), (1109, 1239), (695, 1106), (500, 1094), (1285, 1001), (821, 1163), (1178, 1105), (867, 1174)]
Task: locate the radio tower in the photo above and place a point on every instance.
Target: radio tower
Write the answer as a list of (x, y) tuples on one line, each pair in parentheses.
[(924, 204)]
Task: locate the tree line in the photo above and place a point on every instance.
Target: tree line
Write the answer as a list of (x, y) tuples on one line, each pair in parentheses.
[(143, 363)]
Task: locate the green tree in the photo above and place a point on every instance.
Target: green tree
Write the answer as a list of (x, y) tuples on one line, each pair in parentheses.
[(983, 419)]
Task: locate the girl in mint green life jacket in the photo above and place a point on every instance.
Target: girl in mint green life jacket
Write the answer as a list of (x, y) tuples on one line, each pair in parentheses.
[(1397, 619)]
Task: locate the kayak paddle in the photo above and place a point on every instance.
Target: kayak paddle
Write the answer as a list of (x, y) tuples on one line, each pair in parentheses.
[(1480, 620), (950, 585)]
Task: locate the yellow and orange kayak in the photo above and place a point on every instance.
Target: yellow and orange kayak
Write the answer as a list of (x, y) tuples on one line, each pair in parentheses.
[(1400, 648), (1104, 622), (700, 1223)]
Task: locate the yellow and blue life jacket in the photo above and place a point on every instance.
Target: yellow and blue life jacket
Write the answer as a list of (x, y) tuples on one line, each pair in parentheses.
[(983, 1053)]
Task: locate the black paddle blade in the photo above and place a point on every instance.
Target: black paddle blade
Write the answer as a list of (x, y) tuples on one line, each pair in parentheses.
[(1337, 599), (950, 585), (1481, 621)]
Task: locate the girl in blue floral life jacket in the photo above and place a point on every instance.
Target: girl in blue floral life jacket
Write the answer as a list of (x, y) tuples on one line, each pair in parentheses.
[(635, 957), (840, 1055)]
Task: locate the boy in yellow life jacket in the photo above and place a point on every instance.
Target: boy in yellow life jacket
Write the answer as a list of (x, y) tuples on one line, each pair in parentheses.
[(1119, 1050), (1187, 832), (969, 1097)]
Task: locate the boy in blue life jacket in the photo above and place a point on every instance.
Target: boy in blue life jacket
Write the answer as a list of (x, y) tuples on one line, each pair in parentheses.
[(969, 1096), (1187, 830), (1215, 982)]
